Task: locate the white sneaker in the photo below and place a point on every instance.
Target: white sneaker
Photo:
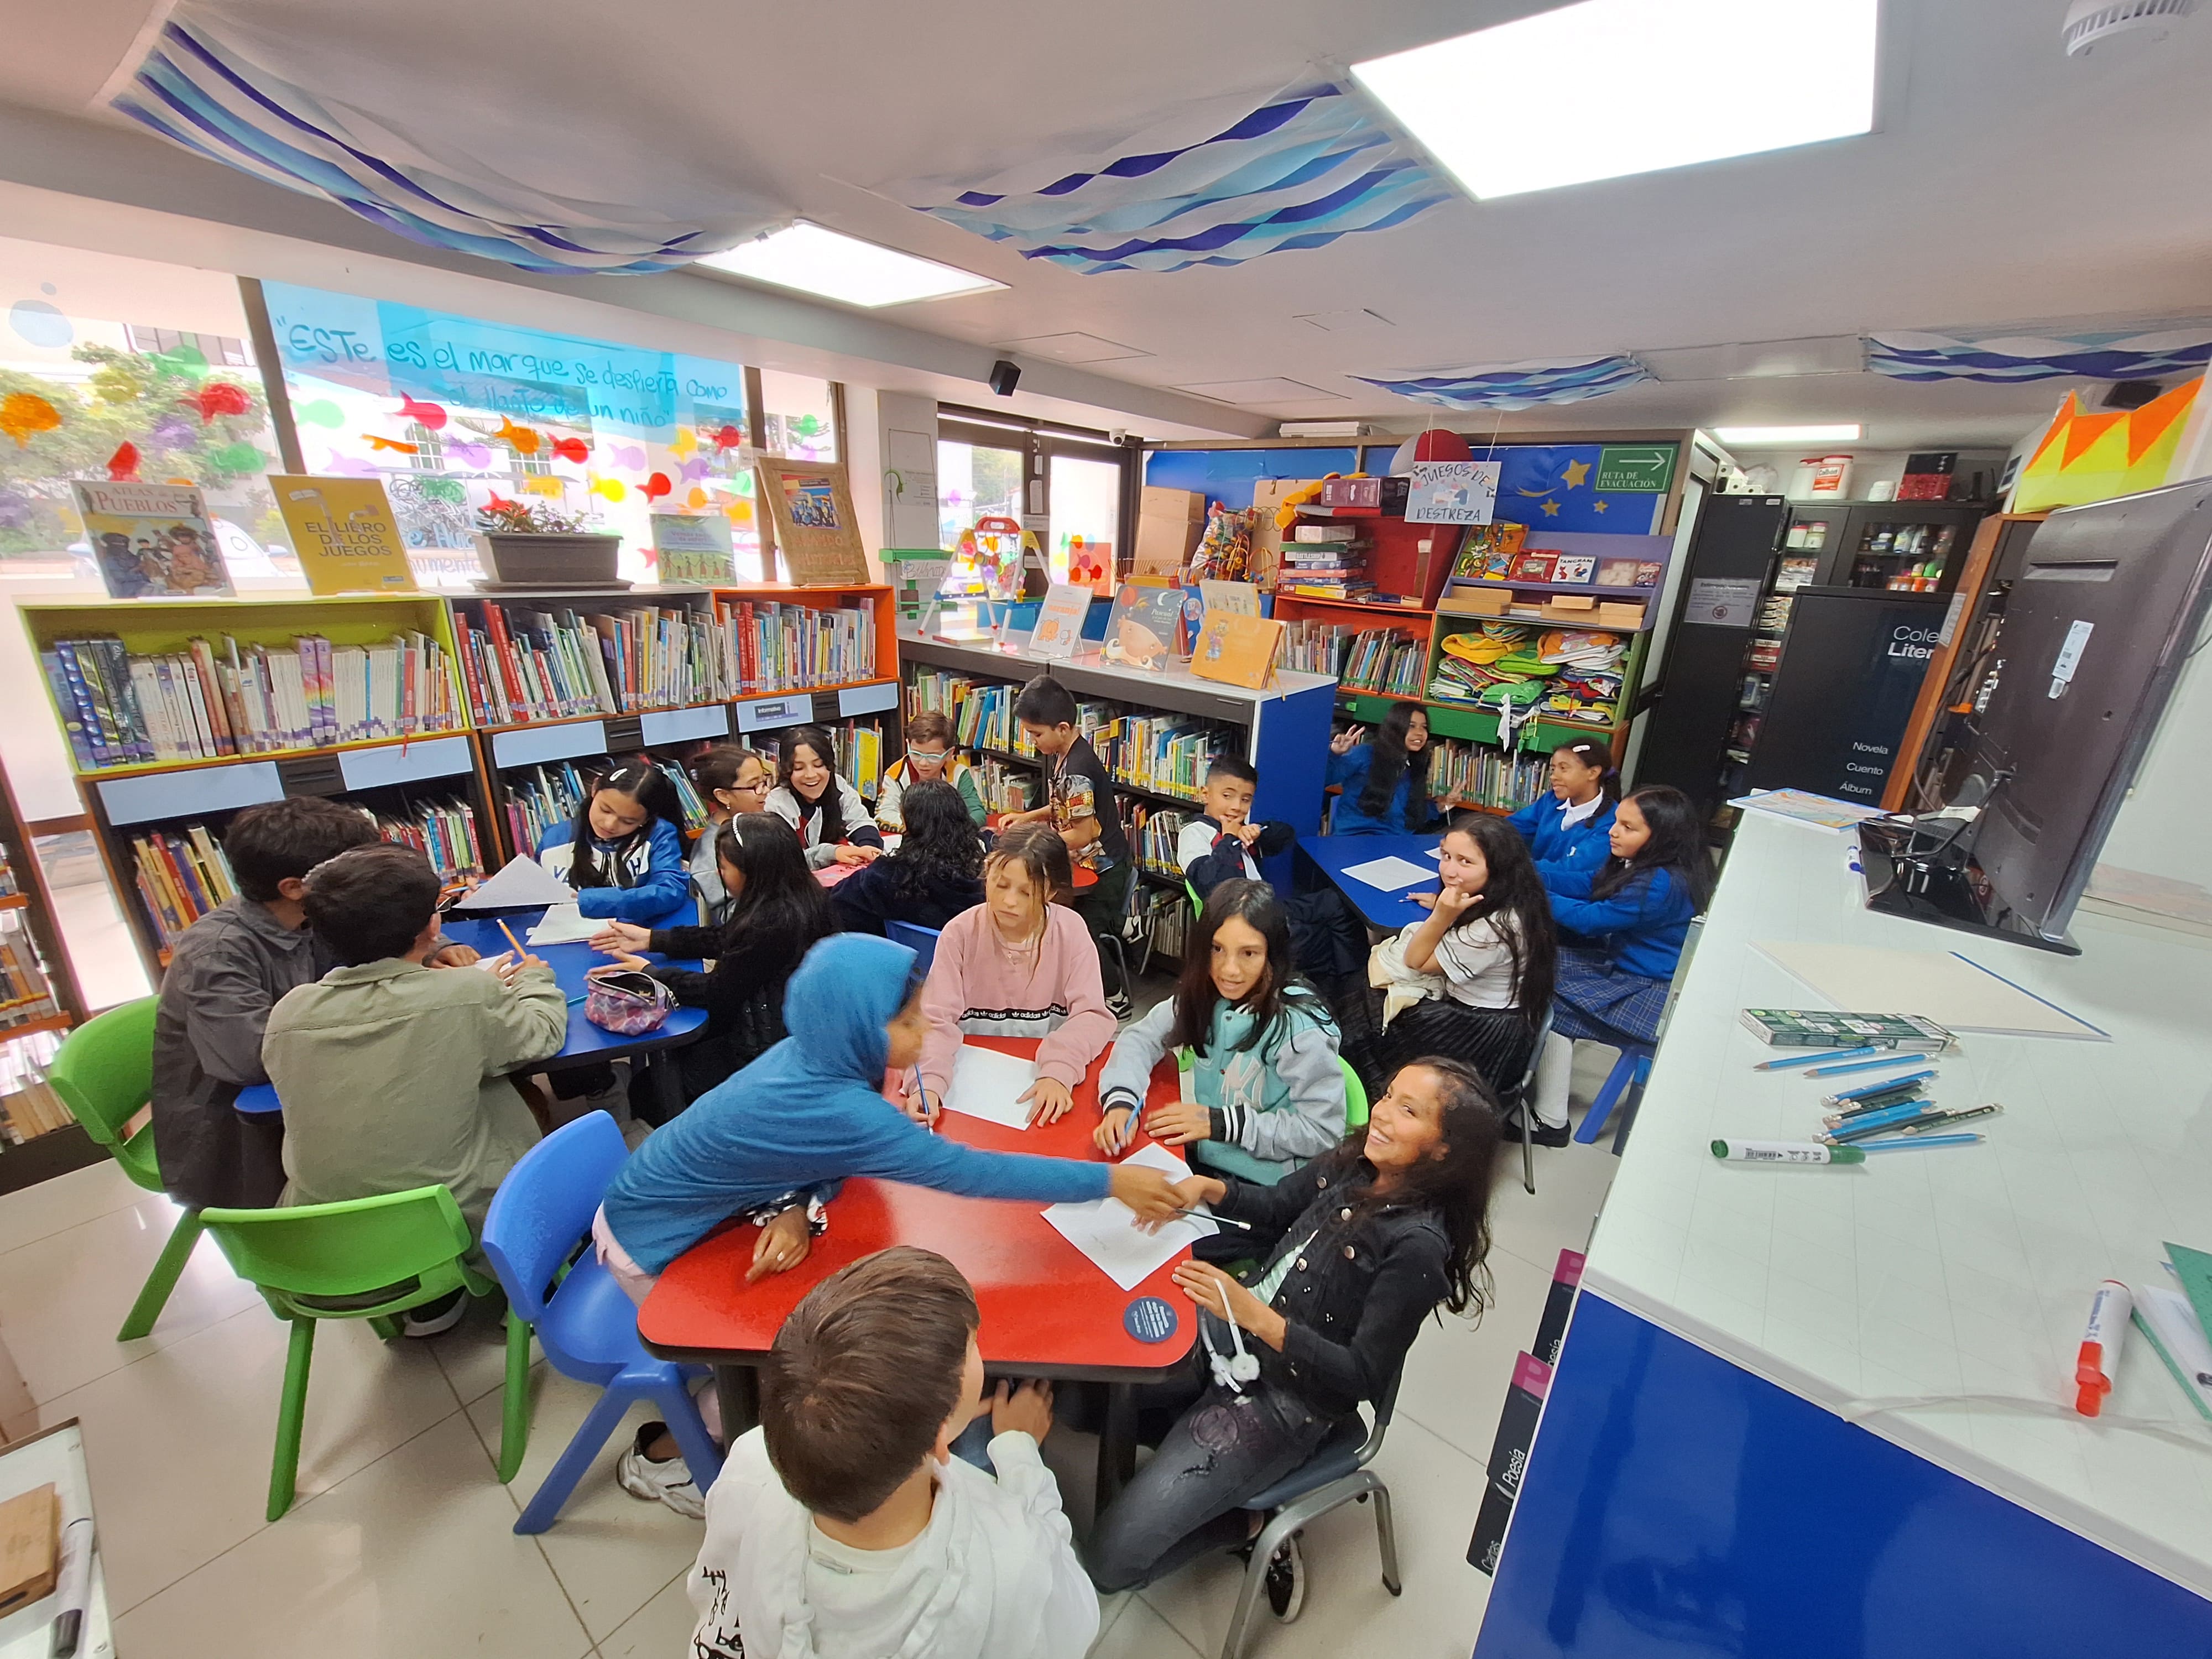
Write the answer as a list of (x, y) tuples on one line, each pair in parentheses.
[(436, 1318), (667, 1482)]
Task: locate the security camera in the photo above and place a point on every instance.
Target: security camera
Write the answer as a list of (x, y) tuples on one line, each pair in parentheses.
[(1120, 434)]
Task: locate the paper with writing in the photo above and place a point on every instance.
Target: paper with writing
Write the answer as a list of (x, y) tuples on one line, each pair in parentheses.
[(1107, 1231)]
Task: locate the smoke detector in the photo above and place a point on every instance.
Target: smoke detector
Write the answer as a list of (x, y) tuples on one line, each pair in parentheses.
[(2092, 22)]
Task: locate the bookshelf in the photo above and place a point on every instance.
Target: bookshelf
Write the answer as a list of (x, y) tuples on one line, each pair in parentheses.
[(38, 1137)]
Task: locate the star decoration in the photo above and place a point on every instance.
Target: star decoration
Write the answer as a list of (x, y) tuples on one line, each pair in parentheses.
[(1600, 506), (1551, 509), (1577, 473)]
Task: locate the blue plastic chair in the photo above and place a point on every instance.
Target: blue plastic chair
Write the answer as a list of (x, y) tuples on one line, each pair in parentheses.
[(922, 941), (588, 1326)]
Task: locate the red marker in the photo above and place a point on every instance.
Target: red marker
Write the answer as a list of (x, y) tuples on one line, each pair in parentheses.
[(2099, 1362)]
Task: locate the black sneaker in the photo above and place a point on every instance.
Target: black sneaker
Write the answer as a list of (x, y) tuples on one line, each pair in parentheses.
[(1286, 1580), (1118, 1004), (1541, 1134)]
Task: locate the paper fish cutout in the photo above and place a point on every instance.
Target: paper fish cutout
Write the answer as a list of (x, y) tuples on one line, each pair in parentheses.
[(219, 398), (123, 465), (448, 491), (320, 412), (737, 512), (345, 466), (695, 469), (696, 498), (542, 484), (498, 503), (683, 442), (25, 414), (182, 483), (523, 439), (174, 429), (728, 438), (479, 455), (394, 444), (629, 455), (186, 362), (240, 457), (656, 486), (570, 449), (613, 488), (431, 416)]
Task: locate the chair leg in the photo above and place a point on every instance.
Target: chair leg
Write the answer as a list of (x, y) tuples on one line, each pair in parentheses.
[(291, 1415), (1632, 1102), (154, 1295), (1248, 1593), (1529, 1141), (1616, 1083), (1386, 1539), (386, 1326), (701, 1454), (514, 1402), (591, 1438)]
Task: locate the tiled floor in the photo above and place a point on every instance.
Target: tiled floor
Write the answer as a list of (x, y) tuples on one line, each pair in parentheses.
[(401, 1541)]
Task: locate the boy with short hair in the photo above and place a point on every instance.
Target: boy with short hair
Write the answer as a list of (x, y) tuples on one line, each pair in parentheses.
[(1079, 803), (1224, 844), (845, 1521)]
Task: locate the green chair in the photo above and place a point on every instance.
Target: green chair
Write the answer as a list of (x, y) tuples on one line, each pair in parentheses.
[(366, 1258), (104, 1073), (1197, 905), (1355, 1099)]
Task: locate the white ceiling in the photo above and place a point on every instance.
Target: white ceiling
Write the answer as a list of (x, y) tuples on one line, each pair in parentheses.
[(2004, 184)]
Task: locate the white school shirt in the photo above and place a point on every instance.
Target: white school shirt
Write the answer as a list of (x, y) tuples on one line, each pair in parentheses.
[(1474, 964)]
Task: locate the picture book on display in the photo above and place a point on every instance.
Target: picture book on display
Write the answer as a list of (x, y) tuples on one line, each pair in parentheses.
[(694, 549), (152, 541), (343, 534), (1819, 1028)]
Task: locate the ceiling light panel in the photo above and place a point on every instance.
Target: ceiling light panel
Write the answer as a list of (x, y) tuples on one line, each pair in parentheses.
[(1075, 347), (828, 263), (1262, 392), (1758, 359), (1653, 83), (1337, 322), (1754, 437)]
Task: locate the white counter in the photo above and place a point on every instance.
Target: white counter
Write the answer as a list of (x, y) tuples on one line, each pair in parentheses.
[(1938, 1297)]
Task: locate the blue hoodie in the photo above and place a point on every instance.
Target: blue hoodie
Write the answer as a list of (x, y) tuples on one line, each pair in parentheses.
[(654, 888), (1557, 847), (809, 1113)]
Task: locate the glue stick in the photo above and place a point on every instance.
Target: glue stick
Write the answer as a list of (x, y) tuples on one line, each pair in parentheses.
[(2099, 1362)]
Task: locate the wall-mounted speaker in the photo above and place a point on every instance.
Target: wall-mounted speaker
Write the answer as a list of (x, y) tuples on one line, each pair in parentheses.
[(1005, 377)]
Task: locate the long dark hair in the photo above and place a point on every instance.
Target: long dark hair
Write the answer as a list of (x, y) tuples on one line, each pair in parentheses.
[(647, 785), (1592, 753), (1514, 898), (1391, 761), (831, 806), (781, 907), (941, 845), (1677, 845), (1279, 992), (1455, 1187)]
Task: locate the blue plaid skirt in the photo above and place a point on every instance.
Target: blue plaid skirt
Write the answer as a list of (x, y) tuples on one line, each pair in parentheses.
[(1596, 1000)]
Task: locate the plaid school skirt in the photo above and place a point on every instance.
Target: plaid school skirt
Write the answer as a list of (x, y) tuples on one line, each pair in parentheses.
[(1596, 1000)]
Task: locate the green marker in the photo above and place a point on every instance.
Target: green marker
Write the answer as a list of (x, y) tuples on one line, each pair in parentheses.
[(1785, 1151)]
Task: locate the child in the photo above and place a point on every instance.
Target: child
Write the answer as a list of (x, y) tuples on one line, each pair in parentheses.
[(1078, 803), (623, 851), (936, 873), (777, 911), (1567, 828), (1327, 938), (730, 780), (394, 1077), (1385, 781), (1632, 914), (227, 971), (831, 818), (908, 1550), (1360, 1247), (1017, 965), (772, 1143), (930, 758), (1267, 1091), (1473, 980)]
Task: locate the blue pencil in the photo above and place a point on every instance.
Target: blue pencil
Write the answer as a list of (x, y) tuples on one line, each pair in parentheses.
[(1905, 1143), (1867, 1064), (1811, 1055)]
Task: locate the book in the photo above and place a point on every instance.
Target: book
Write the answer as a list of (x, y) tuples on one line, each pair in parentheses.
[(1534, 566), (694, 549), (1820, 1027), (343, 533), (1574, 568), (152, 540), (1058, 627), (1236, 649), (1147, 628)]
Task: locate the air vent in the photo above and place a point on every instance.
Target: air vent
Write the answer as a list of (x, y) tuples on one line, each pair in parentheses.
[(2092, 22)]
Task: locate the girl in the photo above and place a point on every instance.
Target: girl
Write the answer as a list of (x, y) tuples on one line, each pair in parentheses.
[(1568, 827), (930, 758), (623, 851), (936, 873), (1360, 1246), (1632, 914), (777, 911), (1017, 965), (832, 820), (730, 780), (1267, 1091), (1385, 782), (1479, 972)]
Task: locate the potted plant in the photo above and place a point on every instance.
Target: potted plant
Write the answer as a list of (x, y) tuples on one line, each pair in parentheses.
[(537, 546)]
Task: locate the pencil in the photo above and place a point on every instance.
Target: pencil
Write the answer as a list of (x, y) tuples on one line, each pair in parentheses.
[(519, 951), (1227, 1220)]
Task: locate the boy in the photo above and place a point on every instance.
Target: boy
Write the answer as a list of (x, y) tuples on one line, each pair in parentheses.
[(1078, 803), (843, 1524), (393, 1076), (930, 758), (227, 971), (1327, 938)]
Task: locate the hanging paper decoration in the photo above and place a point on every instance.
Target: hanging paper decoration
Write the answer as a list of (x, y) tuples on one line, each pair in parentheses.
[(2087, 456), (728, 438), (683, 441), (2142, 352), (319, 411), (656, 486), (430, 416), (570, 449), (468, 454), (392, 444), (1516, 385), (1216, 184), (613, 488), (219, 398), (240, 457), (414, 172), (123, 465), (522, 439), (629, 455), (24, 414)]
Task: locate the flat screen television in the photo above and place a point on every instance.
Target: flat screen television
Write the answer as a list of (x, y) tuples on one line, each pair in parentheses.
[(2108, 608)]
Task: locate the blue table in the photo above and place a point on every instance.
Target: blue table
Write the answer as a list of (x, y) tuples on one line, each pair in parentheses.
[(1331, 855), (587, 1044)]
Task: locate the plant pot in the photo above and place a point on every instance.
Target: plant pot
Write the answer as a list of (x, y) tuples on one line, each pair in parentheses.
[(548, 560)]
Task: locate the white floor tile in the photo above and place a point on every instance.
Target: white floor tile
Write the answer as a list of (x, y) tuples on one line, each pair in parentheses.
[(411, 1556), (1457, 1373), (473, 1354), (611, 1552), (179, 1443), (1138, 1633), (49, 1207), (661, 1629), (1571, 1182)]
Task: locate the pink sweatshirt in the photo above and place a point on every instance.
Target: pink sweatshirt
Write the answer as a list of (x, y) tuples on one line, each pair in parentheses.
[(979, 985)]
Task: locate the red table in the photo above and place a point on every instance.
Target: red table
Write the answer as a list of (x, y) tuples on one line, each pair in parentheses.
[(1047, 1310)]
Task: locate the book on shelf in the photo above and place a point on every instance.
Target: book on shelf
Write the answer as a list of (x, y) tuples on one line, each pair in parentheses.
[(28, 1105), (540, 797), (216, 699), (1153, 833), (1005, 787), (859, 746), (443, 832), (781, 646), (25, 993), (1480, 774), (1166, 754)]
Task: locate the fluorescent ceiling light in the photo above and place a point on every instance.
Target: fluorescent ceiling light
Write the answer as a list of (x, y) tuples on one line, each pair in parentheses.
[(1836, 432), (1632, 86), (839, 267)]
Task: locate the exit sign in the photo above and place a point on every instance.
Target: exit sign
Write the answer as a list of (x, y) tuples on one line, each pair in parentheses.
[(1634, 466)]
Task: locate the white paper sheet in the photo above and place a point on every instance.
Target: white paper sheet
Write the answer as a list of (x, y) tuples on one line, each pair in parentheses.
[(985, 1084), (1435, 853), (1388, 875), (1106, 1229), (564, 923), (523, 881), (1951, 988)]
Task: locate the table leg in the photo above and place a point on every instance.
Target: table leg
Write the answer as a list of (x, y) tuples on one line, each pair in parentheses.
[(736, 1388), (1117, 1445)]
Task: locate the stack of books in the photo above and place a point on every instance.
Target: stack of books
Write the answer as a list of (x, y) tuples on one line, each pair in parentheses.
[(29, 1106), (443, 832), (540, 797), (24, 994), (782, 646), (1384, 659), (1153, 833), (523, 664), (181, 875), (1167, 754), (1312, 648), (1476, 775), (1004, 788), (1323, 562)]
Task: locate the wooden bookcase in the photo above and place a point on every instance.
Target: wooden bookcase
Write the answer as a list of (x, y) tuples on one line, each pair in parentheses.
[(38, 1139)]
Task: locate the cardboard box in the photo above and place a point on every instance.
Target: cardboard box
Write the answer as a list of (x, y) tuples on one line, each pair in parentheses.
[(1476, 601), (1268, 497), (1612, 613), (1168, 524)]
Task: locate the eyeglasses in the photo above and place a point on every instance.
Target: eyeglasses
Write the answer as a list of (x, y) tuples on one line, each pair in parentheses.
[(929, 756)]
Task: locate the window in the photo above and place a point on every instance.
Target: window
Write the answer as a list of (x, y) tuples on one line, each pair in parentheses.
[(1065, 485), (798, 416), (218, 349)]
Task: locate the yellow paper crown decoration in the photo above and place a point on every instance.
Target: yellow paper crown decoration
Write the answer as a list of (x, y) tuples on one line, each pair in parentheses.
[(2090, 456)]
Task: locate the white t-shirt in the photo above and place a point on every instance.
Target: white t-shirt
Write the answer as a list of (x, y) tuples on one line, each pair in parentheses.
[(1474, 964)]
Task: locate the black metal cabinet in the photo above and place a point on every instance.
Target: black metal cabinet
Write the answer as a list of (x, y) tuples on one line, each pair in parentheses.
[(1909, 547)]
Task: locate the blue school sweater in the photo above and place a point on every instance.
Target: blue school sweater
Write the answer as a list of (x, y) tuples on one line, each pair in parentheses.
[(1559, 847), (1641, 928), (808, 1114), (656, 889), (1347, 819)]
